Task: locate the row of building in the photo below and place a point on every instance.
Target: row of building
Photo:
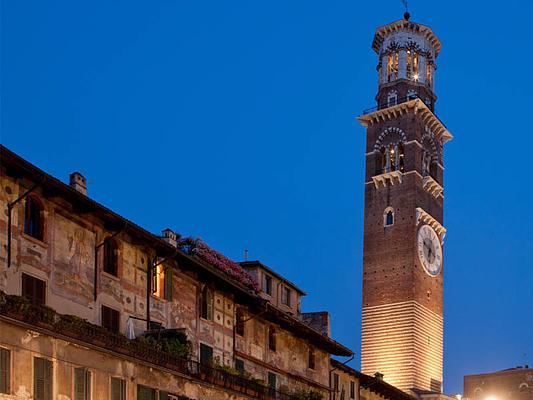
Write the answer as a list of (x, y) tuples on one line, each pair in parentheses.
[(92, 306)]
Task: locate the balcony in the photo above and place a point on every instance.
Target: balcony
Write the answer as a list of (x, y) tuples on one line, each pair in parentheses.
[(19, 309), (395, 103)]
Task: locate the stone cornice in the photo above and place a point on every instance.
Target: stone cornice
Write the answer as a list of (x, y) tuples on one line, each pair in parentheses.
[(419, 107), (395, 26), (425, 217)]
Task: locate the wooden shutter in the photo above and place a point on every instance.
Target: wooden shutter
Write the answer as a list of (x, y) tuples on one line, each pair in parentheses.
[(5, 370), (145, 393), (163, 395), (34, 289), (82, 384), (42, 379), (206, 354), (118, 389), (110, 319), (168, 284)]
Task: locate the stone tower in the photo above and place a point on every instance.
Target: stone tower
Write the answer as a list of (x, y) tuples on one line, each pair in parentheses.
[(402, 319)]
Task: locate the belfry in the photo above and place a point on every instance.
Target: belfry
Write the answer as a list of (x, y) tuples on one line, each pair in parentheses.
[(402, 316)]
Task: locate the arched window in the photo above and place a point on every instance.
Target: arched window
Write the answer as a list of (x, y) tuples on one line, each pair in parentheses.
[(392, 158), (392, 66), (34, 218), (523, 387), (206, 311), (111, 256), (429, 75), (272, 338), (412, 65), (388, 217), (239, 322)]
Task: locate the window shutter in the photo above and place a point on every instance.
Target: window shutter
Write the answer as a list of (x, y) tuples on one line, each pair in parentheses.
[(163, 395), (80, 388), (42, 379), (5, 370), (209, 305), (40, 291), (168, 284), (145, 393), (118, 389)]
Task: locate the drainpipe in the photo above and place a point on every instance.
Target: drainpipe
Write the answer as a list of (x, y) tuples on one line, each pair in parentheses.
[(332, 394), (9, 209)]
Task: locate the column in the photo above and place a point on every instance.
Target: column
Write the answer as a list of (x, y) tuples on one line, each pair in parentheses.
[(402, 65), (421, 69)]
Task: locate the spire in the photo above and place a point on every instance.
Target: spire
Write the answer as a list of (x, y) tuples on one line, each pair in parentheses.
[(406, 14)]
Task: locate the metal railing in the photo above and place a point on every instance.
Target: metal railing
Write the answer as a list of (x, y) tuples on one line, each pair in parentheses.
[(395, 102), (19, 308)]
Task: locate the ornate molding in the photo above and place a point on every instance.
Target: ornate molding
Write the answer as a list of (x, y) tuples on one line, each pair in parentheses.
[(423, 216), (386, 133), (432, 187), (392, 177)]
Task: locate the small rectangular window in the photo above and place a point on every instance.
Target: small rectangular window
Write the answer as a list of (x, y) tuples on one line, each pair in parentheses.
[(336, 382), (5, 370), (206, 354), (239, 365), (118, 389), (82, 384), (311, 360), (110, 319), (34, 289), (286, 296), (268, 285), (352, 390), (272, 380), (42, 379), (145, 393)]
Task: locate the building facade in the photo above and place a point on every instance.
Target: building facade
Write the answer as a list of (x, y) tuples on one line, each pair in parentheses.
[(92, 306), (510, 384), (402, 316)]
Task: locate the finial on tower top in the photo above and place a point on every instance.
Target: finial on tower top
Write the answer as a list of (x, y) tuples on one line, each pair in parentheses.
[(406, 14)]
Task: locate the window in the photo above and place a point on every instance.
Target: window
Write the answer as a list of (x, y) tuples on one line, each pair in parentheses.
[(110, 319), (336, 382), (239, 322), (82, 384), (429, 75), (272, 380), (272, 338), (392, 66), (118, 389), (5, 370), (268, 285), (206, 307), (42, 379), (162, 282), (411, 94), (392, 158), (392, 98), (388, 217), (111, 256), (286, 296), (412, 65), (34, 289), (206, 354), (239, 365), (34, 218), (145, 393), (311, 358), (352, 390)]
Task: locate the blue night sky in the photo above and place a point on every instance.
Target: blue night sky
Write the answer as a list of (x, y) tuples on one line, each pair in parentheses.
[(235, 121)]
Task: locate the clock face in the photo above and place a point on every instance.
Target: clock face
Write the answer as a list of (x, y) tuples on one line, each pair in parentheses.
[(429, 250)]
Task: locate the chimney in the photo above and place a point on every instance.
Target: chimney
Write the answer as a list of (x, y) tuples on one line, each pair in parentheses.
[(378, 376), (78, 182), (170, 236)]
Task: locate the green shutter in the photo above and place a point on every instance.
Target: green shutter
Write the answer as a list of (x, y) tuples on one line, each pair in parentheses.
[(163, 395), (118, 389), (5, 370), (168, 284), (42, 379), (80, 388), (145, 393)]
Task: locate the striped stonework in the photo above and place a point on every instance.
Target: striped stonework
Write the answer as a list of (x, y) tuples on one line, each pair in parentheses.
[(403, 341)]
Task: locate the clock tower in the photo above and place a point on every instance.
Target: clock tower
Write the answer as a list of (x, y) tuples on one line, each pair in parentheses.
[(402, 318)]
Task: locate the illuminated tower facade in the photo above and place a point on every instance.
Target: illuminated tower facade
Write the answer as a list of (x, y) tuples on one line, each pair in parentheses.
[(402, 316)]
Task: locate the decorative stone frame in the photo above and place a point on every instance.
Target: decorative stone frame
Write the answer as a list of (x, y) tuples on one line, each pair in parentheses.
[(385, 214), (387, 132)]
